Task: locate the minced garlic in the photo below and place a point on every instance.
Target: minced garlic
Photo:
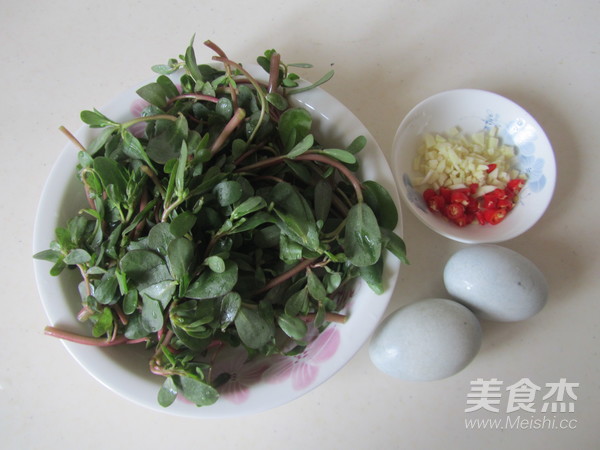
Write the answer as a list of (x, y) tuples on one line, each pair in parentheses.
[(457, 160)]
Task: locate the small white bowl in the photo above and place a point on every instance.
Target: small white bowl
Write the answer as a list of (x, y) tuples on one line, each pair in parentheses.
[(473, 110)]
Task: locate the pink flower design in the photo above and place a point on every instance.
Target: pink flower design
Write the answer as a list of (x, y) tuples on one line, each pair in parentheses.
[(304, 367), (243, 374), (136, 109)]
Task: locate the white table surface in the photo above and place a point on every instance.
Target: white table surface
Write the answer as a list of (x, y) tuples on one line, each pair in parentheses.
[(64, 56)]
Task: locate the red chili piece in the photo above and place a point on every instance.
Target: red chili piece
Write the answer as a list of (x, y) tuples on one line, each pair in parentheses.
[(461, 207)]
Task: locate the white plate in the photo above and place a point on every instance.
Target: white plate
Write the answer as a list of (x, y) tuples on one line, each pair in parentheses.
[(124, 369)]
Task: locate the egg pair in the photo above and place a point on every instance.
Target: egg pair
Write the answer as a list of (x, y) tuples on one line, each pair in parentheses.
[(435, 338)]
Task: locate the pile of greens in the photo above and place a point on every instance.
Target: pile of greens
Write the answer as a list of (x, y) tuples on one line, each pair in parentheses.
[(226, 223)]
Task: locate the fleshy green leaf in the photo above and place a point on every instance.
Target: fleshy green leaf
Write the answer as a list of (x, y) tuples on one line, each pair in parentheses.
[(301, 147), (215, 263), (212, 284), (180, 255), (230, 305), (395, 244), (362, 240), (104, 323), (373, 275), (228, 192), (77, 256), (144, 268), (95, 119), (341, 155), (48, 255), (292, 326), (182, 224), (277, 100), (152, 316), (248, 206), (154, 94), (167, 393), (380, 201), (294, 125), (253, 329), (198, 392)]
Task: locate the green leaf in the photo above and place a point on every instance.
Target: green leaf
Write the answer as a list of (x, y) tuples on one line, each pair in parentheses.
[(373, 275), (212, 284), (100, 141), (302, 147), (95, 119), (292, 326), (380, 201), (154, 94), (167, 393), (198, 392), (57, 268), (182, 224), (294, 125), (130, 301), (77, 256), (228, 192), (48, 255), (215, 263), (230, 305), (332, 280), (106, 289), (295, 214), (104, 323), (111, 173), (160, 236), (248, 206), (289, 250), (144, 268), (394, 244), (324, 79), (181, 166), (168, 86), (357, 145), (277, 100), (135, 329), (152, 315), (224, 108), (162, 291), (180, 255), (341, 155), (133, 148), (252, 328), (166, 145), (297, 303), (190, 342), (191, 64), (323, 198), (362, 239), (315, 287)]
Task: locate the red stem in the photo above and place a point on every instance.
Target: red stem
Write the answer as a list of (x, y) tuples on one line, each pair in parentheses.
[(329, 317), (235, 120), (214, 47), (274, 72), (286, 275), (86, 340), (207, 98), (339, 166)]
